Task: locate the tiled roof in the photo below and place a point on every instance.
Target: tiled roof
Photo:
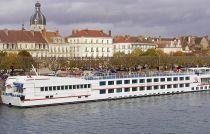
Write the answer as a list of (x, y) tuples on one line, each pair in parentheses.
[(130, 39), (48, 35), (89, 33), (14, 36)]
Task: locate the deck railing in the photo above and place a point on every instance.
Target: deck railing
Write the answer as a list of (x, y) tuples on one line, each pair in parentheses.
[(120, 76)]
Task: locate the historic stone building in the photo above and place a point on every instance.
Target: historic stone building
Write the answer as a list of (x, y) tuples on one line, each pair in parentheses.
[(90, 43)]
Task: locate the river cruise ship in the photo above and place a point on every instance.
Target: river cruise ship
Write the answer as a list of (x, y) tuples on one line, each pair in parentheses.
[(29, 91)]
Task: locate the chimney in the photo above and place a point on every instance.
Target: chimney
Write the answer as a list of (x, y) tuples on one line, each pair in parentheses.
[(6, 31), (110, 33)]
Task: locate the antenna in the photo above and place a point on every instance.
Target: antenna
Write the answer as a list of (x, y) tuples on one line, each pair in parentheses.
[(33, 68)]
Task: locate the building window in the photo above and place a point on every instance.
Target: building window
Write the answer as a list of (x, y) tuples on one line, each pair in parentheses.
[(70, 86), (134, 89), (62, 87), (102, 83), (156, 87), (168, 79), (162, 86), (149, 88), (181, 85), (54, 88), (50, 88), (141, 88), (181, 78), (187, 85), (127, 90), (42, 88), (110, 82), (119, 82), (46, 88), (134, 81), (119, 90), (141, 80), (126, 81), (175, 79), (168, 86), (156, 80), (110, 91), (162, 79), (187, 78), (175, 86), (102, 91), (149, 80)]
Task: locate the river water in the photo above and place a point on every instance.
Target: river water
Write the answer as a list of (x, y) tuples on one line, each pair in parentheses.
[(181, 114)]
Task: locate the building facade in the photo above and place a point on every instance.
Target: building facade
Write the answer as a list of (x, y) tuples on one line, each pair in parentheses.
[(90, 44), (127, 44), (13, 41)]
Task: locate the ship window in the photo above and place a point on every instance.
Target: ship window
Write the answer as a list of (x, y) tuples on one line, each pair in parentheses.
[(134, 81), (50, 88), (156, 87), (119, 90), (197, 88), (175, 86), (187, 78), (149, 80), (162, 79), (181, 85), (192, 88), (119, 82), (46, 88), (162, 86), (110, 91), (134, 89), (175, 79), (102, 91), (70, 86), (77, 86), (168, 79), (168, 86), (47, 97), (126, 81), (141, 88), (102, 83), (187, 85), (141, 80), (156, 80), (58, 87), (127, 90), (42, 88), (110, 82), (149, 88), (74, 86), (181, 78), (62, 87), (54, 88), (66, 87), (201, 87)]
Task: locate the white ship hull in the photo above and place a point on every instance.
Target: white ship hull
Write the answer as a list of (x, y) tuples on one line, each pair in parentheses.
[(41, 91)]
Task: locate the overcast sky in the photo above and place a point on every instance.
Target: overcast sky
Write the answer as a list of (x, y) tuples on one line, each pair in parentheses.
[(135, 17)]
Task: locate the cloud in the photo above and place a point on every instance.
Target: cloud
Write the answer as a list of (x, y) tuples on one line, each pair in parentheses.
[(135, 17)]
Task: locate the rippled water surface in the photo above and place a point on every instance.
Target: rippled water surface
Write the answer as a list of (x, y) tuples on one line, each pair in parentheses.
[(184, 113)]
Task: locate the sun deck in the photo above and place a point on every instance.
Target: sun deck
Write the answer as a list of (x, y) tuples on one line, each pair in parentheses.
[(122, 76)]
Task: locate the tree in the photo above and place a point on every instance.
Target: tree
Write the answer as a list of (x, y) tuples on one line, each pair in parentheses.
[(26, 59), (151, 52), (137, 52), (119, 54), (179, 53)]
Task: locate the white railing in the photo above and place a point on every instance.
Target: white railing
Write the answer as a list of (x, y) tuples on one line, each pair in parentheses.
[(118, 76)]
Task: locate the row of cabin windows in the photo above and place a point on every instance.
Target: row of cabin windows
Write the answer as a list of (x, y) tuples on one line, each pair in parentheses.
[(133, 89), (135, 81), (66, 87)]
